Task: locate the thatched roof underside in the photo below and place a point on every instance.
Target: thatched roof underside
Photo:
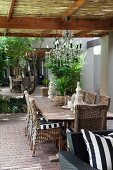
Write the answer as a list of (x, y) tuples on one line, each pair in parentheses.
[(47, 18)]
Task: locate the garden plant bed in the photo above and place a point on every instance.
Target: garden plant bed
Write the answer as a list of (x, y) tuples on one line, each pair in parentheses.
[(12, 105)]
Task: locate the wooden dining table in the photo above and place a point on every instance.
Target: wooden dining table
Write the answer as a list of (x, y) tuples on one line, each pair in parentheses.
[(51, 112)]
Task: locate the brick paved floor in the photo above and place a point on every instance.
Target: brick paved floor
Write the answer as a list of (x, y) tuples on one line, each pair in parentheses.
[(15, 153)]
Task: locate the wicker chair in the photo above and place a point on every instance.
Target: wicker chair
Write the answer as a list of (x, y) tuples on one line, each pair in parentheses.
[(90, 117), (103, 99), (90, 98), (29, 113), (42, 131), (83, 92), (26, 94), (29, 117), (12, 85), (34, 117)]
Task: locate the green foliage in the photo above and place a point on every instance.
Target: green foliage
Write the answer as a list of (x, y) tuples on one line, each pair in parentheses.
[(12, 105), (70, 70), (3, 59), (16, 48), (13, 53), (61, 84), (4, 104), (45, 82)]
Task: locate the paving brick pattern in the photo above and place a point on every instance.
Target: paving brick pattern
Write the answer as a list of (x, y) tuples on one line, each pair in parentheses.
[(15, 153)]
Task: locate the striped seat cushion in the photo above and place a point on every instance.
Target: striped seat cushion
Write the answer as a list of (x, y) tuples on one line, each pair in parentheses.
[(42, 121), (100, 150), (51, 125)]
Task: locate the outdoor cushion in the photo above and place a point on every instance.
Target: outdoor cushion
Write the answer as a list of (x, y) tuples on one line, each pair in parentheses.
[(42, 120), (100, 150), (51, 125)]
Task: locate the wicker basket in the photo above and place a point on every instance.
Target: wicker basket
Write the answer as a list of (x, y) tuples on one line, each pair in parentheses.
[(59, 100), (44, 91)]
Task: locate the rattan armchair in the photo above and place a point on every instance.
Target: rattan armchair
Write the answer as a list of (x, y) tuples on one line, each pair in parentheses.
[(12, 84), (30, 121), (26, 95), (35, 118), (29, 100), (90, 97), (42, 131), (103, 99), (90, 117), (83, 92)]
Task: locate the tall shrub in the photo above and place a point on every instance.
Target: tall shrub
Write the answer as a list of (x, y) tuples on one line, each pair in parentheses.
[(71, 71)]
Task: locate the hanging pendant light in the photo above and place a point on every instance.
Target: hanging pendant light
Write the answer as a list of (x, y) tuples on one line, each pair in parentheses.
[(64, 51)]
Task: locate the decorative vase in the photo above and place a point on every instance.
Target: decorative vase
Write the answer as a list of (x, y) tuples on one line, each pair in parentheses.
[(76, 97), (51, 91)]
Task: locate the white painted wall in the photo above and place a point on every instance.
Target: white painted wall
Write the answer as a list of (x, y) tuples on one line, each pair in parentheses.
[(87, 78), (110, 70), (97, 74), (91, 72), (104, 65)]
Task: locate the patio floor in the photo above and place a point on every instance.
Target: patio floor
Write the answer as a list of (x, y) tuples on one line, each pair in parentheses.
[(5, 91), (15, 151)]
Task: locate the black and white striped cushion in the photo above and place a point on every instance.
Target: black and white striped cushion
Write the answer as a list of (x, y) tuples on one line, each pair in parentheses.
[(42, 121), (51, 125), (100, 150)]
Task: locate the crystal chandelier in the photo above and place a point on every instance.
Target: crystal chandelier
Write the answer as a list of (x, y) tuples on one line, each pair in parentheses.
[(64, 51)]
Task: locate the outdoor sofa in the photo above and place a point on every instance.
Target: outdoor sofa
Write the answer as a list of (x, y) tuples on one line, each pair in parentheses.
[(77, 158)]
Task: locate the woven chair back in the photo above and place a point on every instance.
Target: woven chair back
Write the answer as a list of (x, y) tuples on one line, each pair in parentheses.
[(90, 98), (103, 99), (34, 116), (83, 92), (90, 117), (26, 94)]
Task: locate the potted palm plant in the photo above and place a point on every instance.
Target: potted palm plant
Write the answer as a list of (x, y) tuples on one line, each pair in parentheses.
[(61, 85)]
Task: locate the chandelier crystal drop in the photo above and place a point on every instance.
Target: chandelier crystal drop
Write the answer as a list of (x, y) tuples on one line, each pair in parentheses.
[(64, 51)]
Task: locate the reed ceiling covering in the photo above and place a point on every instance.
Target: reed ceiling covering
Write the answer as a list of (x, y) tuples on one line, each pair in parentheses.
[(47, 18)]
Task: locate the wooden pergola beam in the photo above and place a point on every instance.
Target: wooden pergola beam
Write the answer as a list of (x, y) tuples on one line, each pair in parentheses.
[(103, 34), (93, 35), (48, 35), (73, 8), (11, 10), (30, 35), (56, 23), (44, 33), (81, 33)]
